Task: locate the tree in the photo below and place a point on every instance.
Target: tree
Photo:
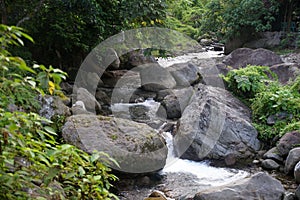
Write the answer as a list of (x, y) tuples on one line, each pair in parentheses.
[(228, 18), (66, 30)]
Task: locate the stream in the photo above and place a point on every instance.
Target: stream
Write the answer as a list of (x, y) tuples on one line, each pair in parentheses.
[(182, 178)]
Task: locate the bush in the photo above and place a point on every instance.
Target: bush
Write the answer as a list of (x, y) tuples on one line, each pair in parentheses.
[(267, 98), (247, 82), (33, 164)]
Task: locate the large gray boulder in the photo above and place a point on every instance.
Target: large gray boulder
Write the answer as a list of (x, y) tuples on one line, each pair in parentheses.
[(287, 142), (185, 74), (286, 71), (292, 159), (258, 186), (90, 102), (176, 101), (268, 40), (215, 124), (136, 147), (297, 172), (242, 57), (155, 78)]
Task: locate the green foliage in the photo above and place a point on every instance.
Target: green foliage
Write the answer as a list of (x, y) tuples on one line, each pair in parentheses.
[(268, 132), (275, 99), (30, 154), (248, 81), (228, 18), (137, 13), (267, 98), (33, 164), (185, 16)]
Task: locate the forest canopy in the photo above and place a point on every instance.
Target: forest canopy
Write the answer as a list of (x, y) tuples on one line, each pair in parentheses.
[(66, 30)]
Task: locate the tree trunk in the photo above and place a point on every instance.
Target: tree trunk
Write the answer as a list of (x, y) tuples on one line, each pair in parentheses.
[(3, 11), (289, 15)]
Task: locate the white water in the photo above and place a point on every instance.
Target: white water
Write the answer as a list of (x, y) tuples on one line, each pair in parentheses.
[(206, 175), (166, 62)]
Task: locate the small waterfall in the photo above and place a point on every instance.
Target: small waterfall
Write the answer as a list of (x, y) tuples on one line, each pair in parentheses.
[(206, 175)]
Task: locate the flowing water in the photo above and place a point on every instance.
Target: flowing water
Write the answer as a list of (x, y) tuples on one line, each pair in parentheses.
[(206, 175), (183, 177)]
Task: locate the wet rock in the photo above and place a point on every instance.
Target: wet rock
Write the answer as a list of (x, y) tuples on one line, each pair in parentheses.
[(292, 159), (258, 186), (289, 196), (175, 103), (230, 159), (297, 193), (297, 172), (90, 102), (214, 125), (273, 154), (136, 147), (242, 57), (185, 74), (270, 164), (155, 78), (206, 42), (79, 108), (156, 195), (218, 47), (287, 142)]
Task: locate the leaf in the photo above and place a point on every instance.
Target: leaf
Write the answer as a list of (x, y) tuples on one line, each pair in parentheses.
[(50, 130), (81, 171), (51, 87), (95, 157), (70, 175)]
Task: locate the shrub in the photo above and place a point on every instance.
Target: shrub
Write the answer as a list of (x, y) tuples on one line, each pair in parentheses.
[(248, 81), (31, 158)]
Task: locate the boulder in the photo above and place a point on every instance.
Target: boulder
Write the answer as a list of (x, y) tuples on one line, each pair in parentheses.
[(52, 106), (270, 164), (175, 103), (213, 125), (286, 71), (79, 108), (136, 147), (185, 74), (297, 193), (155, 78), (292, 159), (272, 119), (273, 154), (289, 196), (266, 40), (246, 35), (244, 56), (258, 186), (297, 172), (135, 59), (90, 102), (111, 55), (287, 142), (156, 195)]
